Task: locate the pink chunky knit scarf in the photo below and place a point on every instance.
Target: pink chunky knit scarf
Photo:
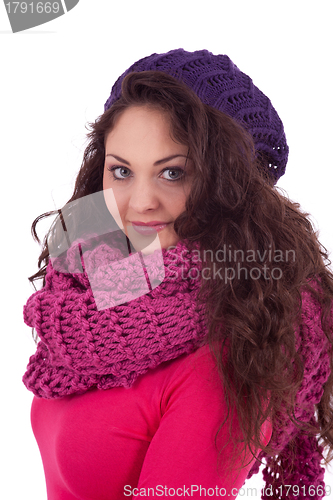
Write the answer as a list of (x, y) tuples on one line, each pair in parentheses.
[(82, 346), (298, 454)]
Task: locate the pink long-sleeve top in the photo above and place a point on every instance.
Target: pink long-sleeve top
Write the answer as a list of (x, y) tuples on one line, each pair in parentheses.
[(153, 439)]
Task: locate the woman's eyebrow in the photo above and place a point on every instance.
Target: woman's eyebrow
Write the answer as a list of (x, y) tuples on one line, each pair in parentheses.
[(158, 162)]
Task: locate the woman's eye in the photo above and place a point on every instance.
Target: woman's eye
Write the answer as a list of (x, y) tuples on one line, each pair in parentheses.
[(174, 174), (120, 175)]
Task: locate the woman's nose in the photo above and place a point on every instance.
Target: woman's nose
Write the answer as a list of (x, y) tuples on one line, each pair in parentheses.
[(143, 197)]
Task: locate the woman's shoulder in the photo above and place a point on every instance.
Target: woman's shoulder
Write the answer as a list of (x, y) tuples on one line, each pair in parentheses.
[(196, 366), (192, 378)]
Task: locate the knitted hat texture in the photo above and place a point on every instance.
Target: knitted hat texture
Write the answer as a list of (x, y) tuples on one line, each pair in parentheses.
[(219, 83)]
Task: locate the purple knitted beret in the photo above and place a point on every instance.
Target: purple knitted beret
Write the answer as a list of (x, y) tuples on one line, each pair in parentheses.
[(219, 83)]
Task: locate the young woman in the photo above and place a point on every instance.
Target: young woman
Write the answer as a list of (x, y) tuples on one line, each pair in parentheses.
[(185, 318)]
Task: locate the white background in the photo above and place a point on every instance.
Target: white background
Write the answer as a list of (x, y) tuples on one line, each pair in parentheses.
[(56, 77)]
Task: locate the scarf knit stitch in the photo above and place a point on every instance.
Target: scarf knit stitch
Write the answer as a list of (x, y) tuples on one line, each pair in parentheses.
[(81, 347)]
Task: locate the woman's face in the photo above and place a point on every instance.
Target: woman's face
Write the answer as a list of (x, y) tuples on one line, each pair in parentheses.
[(148, 171)]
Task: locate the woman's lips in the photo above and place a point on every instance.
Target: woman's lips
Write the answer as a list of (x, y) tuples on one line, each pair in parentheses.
[(148, 230)]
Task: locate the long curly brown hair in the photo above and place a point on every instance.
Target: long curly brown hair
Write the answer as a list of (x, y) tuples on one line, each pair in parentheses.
[(233, 207)]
